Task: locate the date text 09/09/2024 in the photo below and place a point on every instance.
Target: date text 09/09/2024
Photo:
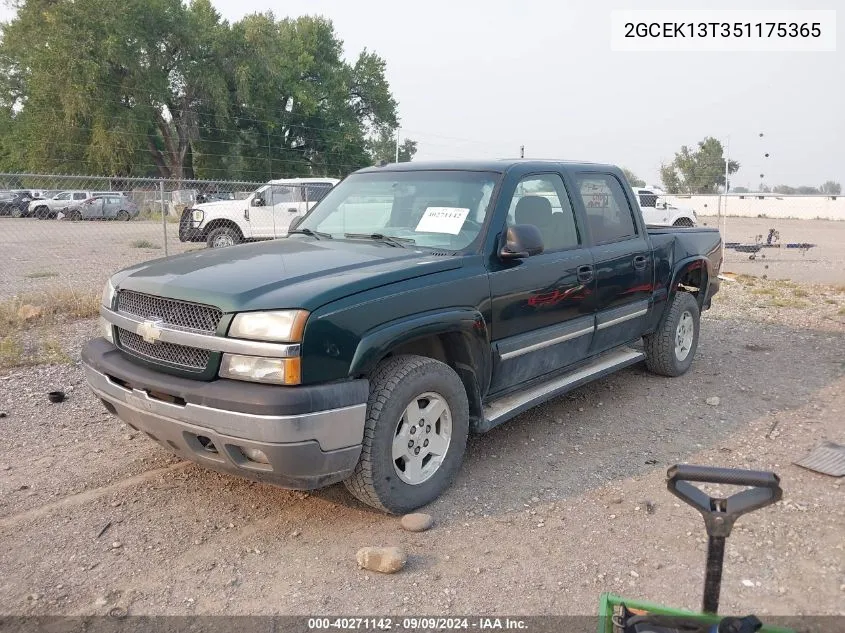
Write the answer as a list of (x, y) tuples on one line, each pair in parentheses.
[(416, 624)]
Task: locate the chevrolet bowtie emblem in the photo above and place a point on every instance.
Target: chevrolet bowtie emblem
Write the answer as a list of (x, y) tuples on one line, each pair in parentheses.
[(150, 330)]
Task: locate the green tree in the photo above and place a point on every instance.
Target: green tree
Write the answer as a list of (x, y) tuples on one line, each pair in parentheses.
[(740, 190), (831, 188), (160, 87), (784, 190), (633, 179), (382, 147), (697, 170)]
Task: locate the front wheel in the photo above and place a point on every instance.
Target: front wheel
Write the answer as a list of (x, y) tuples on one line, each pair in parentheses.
[(415, 434), (122, 216), (223, 236), (670, 350)]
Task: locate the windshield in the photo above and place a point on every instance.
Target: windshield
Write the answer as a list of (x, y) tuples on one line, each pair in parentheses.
[(434, 209)]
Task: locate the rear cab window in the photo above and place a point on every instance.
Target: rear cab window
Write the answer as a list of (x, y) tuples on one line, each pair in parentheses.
[(609, 216)]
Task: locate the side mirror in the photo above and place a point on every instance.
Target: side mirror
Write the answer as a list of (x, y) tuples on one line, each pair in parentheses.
[(520, 241), (257, 201)]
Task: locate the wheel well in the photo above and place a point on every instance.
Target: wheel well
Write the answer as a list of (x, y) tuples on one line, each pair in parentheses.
[(453, 349), (693, 280), (216, 224)]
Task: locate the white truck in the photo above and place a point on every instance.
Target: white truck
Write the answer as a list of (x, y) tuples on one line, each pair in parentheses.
[(658, 212), (265, 214)]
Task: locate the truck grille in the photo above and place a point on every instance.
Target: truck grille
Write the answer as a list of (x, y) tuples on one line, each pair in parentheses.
[(180, 314), (190, 358), (176, 314)]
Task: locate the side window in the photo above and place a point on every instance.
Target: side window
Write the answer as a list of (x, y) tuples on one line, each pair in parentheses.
[(279, 194), (541, 200), (648, 198), (608, 213), (316, 192), (79, 196), (63, 196)]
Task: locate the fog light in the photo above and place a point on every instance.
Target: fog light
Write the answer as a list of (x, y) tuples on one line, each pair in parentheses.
[(255, 455), (106, 329)]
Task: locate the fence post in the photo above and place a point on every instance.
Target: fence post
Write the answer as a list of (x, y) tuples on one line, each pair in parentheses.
[(163, 215)]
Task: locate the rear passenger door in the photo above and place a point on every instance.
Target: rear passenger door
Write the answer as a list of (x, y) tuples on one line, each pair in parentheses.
[(542, 306), (622, 258)]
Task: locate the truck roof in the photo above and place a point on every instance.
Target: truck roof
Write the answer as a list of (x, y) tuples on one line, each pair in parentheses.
[(495, 165)]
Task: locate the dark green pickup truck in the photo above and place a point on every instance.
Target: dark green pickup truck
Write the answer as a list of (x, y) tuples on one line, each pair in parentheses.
[(416, 303)]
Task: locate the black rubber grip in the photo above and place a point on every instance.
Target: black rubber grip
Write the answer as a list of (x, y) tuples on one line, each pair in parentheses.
[(729, 476)]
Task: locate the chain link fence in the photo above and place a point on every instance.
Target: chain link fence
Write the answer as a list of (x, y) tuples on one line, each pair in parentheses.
[(72, 232)]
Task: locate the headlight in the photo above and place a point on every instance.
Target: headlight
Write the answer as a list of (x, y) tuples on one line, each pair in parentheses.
[(108, 295), (283, 326), (278, 371), (197, 215)]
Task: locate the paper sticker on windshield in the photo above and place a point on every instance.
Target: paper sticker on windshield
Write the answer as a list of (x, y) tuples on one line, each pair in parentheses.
[(442, 220)]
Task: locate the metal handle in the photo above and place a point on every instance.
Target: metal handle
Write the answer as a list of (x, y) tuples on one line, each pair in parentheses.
[(293, 210), (639, 262), (585, 273), (721, 513)]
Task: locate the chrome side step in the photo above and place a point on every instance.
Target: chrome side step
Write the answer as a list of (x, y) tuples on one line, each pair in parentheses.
[(506, 407)]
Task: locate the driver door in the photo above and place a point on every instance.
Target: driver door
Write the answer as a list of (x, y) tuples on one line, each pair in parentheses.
[(260, 214), (288, 203)]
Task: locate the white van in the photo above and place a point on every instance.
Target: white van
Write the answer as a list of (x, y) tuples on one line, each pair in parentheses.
[(264, 215)]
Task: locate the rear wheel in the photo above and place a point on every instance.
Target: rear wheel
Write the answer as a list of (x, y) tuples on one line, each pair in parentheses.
[(683, 222), (670, 350), (41, 212), (223, 236), (415, 434), (74, 215), (17, 212), (122, 216)]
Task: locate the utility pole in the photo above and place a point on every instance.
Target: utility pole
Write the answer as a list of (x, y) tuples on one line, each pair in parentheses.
[(522, 151), (397, 145)]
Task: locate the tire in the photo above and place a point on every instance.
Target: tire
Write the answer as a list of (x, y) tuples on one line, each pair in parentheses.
[(122, 216), (670, 350), (684, 222), (74, 215), (383, 482), (42, 213), (223, 236), (17, 213)]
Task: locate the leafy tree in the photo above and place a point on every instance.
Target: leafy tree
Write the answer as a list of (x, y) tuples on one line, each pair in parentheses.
[(632, 178), (807, 191), (160, 87), (382, 147), (697, 170), (740, 190), (831, 188)]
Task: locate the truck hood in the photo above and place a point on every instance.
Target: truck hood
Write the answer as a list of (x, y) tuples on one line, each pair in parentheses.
[(221, 205), (279, 274)]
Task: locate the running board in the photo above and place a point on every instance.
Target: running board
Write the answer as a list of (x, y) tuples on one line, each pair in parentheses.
[(506, 407)]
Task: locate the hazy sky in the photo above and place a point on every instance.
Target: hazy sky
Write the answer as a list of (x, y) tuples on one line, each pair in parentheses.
[(480, 78)]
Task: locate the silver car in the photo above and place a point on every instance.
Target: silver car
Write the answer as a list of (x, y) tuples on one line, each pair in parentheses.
[(109, 206)]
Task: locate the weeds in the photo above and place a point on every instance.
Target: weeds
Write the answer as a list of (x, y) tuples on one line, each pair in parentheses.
[(800, 292), (50, 306), (771, 292), (41, 274), (143, 244), (11, 352), (783, 302)]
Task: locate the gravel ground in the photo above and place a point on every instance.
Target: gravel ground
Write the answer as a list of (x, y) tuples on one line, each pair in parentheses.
[(549, 510)]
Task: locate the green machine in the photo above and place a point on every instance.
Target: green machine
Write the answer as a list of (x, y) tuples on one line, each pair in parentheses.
[(621, 615)]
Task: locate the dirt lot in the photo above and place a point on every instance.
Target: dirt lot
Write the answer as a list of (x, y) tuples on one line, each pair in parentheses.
[(550, 510), (823, 264)]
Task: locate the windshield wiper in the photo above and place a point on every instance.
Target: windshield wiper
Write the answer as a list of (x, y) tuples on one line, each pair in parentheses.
[(317, 234), (401, 242)]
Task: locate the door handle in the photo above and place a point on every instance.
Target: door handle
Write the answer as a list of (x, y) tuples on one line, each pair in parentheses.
[(640, 262), (585, 273), (246, 214), (292, 210)]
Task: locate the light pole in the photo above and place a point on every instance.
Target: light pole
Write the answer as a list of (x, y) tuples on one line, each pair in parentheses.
[(397, 144)]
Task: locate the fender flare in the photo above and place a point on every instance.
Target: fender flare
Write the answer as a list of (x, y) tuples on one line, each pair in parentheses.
[(683, 266), (465, 323)]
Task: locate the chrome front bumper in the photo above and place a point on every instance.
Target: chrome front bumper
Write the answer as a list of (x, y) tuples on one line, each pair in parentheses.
[(303, 450)]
